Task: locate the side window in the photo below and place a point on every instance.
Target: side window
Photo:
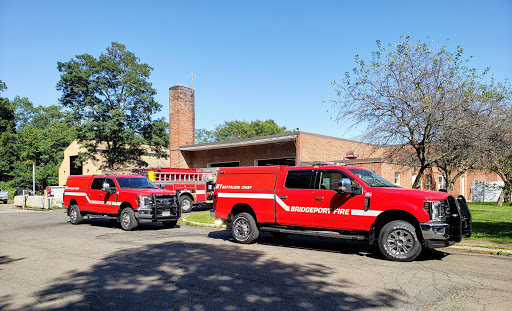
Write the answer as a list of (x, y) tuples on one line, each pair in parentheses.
[(299, 179), (110, 182), (330, 180), (97, 183)]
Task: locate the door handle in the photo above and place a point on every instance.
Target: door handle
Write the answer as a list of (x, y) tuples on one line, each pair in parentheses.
[(283, 197), (319, 198), (101, 195)]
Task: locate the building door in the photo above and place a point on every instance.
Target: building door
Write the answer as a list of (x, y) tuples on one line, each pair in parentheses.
[(463, 186)]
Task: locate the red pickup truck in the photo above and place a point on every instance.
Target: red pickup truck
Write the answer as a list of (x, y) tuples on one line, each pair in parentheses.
[(338, 202), (128, 199)]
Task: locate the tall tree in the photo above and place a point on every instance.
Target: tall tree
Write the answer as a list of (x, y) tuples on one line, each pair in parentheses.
[(112, 101), (239, 129), (41, 136), (7, 133), (497, 149), (409, 95)]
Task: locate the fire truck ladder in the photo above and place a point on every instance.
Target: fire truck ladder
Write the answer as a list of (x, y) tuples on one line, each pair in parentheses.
[(163, 177)]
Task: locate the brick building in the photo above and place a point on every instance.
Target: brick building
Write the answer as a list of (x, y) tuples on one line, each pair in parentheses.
[(293, 148), (91, 167)]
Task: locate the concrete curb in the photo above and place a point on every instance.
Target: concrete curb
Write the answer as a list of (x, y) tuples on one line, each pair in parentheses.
[(200, 224), (481, 250)]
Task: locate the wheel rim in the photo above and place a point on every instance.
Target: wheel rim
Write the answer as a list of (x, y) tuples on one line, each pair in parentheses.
[(185, 205), (125, 220), (400, 242), (242, 229), (73, 215)]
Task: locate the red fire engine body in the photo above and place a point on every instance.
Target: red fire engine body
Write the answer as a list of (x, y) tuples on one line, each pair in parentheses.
[(338, 202), (196, 184)]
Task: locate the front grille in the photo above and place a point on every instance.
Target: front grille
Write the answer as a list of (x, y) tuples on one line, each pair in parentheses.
[(167, 203)]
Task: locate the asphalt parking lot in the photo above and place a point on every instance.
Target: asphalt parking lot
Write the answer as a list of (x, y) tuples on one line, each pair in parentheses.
[(48, 264)]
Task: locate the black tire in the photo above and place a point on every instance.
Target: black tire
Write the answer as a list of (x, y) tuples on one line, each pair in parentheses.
[(186, 204), (5, 201), (128, 220), (398, 241), (170, 224), (244, 229), (75, 217)]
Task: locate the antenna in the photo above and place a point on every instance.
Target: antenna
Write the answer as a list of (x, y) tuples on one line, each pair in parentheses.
[(191, 74)]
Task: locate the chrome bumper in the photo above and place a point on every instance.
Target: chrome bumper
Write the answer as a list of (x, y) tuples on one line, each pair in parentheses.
[(147, 213), (436, 235), (435, 231)]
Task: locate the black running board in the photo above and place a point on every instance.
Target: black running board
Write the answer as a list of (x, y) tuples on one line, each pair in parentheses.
[(315, 234)]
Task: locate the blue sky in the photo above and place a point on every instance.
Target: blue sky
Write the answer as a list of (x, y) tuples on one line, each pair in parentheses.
[(251, 59)]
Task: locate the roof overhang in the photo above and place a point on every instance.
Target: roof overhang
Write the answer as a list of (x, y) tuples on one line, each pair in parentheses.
[(241, 142)]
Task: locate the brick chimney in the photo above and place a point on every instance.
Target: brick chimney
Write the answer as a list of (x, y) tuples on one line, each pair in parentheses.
[(182, 122)]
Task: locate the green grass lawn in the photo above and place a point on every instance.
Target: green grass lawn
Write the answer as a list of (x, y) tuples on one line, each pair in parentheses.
[(491, 222), (201, 217)]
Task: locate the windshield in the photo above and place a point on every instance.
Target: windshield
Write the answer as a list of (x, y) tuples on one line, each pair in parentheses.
[(372, 179), (136, 183)]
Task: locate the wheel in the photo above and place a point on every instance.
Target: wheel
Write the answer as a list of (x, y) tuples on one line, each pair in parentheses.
[(398, 241), (170, 224), (5, 201), (186, 204), (244, 229), (74, 215), (128, 220)]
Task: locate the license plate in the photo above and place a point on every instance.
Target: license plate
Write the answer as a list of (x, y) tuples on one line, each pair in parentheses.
[(166, 213)]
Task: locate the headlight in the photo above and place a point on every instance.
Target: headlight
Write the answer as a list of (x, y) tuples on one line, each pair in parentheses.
[(436, 209), (144, 202)]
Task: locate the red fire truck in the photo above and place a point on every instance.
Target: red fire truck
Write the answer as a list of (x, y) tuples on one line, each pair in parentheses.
[(341, 202), (196, 184)]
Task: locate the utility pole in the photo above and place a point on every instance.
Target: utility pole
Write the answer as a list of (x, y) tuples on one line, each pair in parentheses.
[(192, 74), (33, 178)]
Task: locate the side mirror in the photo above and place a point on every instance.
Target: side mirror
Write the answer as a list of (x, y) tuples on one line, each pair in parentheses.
[(345, 186), (106, 188)]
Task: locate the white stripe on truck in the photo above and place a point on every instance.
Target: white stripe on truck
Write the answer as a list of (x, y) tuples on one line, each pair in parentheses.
[(242, 195)]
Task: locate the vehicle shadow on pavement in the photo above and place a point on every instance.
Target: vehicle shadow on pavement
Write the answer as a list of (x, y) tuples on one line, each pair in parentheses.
[(196, 276), (106, 223), (327, 245)]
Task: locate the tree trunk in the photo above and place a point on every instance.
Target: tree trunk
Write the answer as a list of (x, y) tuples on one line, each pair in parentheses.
[(417, 181), (449, 186), (501, 198)]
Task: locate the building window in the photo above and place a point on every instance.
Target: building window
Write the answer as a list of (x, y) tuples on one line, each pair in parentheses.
[(397, 178), (279, 161), (441, 182), (413, 179), (428, 182), (74, 169), (224, 164)]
